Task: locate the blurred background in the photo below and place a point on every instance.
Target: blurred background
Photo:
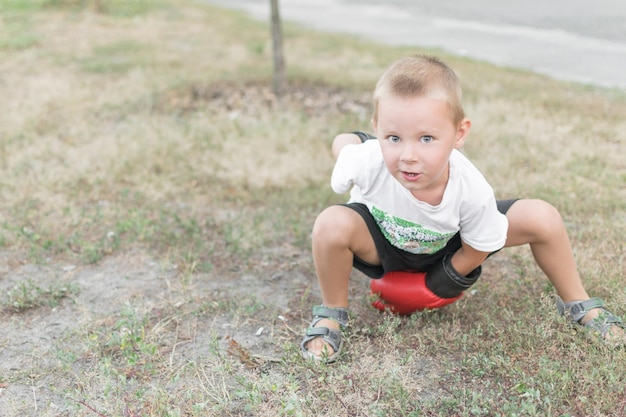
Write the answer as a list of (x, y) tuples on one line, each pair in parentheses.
[(573, 40)]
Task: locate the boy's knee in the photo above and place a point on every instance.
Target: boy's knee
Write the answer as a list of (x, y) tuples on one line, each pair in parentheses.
[(545, 217), (532, 221), (332, 223), (547, 214)]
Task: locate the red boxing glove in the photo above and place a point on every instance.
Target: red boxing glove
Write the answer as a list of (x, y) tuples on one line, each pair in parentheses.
[(405, 292)]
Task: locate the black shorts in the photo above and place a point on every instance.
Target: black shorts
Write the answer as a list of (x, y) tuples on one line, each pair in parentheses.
[(395, 259)]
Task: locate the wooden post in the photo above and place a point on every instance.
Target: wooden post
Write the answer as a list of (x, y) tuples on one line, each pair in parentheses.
[(97, 6), (277, 44)]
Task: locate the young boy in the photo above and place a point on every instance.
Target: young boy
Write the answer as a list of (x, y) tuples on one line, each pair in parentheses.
[(417, 204)]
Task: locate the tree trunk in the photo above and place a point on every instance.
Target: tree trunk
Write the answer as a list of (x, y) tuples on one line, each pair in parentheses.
[(277, 44), (96, 5)]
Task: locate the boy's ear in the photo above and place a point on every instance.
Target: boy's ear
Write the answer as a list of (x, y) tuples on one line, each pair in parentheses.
[(462, 132)]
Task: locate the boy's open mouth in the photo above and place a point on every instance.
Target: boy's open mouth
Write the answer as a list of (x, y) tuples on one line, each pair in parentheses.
[(410, 175)]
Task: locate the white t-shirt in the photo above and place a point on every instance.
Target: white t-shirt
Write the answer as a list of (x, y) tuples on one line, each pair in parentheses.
[(468, 203)]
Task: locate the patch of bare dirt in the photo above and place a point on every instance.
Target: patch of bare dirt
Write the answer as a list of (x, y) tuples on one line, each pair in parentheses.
[(249, 97), (31, 339)]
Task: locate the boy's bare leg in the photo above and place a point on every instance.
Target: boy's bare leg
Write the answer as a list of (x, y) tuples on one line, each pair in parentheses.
[(539, 224), (338, 234)]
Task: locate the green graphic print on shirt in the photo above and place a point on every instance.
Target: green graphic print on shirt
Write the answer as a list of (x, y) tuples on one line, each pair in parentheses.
[(408, 236)]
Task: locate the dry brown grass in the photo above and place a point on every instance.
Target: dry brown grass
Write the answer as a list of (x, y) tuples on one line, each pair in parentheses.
[(156, 202)]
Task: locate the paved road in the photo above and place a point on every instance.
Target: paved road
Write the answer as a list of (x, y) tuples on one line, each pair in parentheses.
[(574, 40)]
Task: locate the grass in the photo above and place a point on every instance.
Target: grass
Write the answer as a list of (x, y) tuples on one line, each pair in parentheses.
[(156, 202)]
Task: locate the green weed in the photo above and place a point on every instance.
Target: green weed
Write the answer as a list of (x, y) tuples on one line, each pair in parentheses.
[(26, 295)]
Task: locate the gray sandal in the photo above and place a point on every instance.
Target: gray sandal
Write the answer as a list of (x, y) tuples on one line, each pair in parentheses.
[(330, 336), (576, 310)]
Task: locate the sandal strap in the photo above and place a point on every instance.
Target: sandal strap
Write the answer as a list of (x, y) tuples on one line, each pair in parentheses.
[(332, 337), (579, 309), (339, 314), (604, 322)]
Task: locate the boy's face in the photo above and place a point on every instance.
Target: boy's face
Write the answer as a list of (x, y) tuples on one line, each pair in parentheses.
[(417, 136)]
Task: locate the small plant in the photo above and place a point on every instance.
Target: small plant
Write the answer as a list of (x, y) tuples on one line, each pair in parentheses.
[(129, 339), (27, 295)]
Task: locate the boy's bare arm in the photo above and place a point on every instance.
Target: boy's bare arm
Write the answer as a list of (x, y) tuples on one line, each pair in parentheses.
[(466, 259), (342, 140)]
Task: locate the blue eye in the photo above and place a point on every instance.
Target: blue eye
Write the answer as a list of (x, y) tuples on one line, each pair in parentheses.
[(427, 139), (394, 138)]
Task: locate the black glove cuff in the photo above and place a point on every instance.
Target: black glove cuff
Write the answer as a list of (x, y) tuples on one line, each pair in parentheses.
[(445, 282), (363, 136)]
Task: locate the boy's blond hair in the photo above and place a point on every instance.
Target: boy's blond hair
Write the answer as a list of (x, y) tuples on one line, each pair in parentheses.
[(421, 76)]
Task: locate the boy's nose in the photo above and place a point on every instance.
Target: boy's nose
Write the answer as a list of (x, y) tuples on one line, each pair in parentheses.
[(410, 152)]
